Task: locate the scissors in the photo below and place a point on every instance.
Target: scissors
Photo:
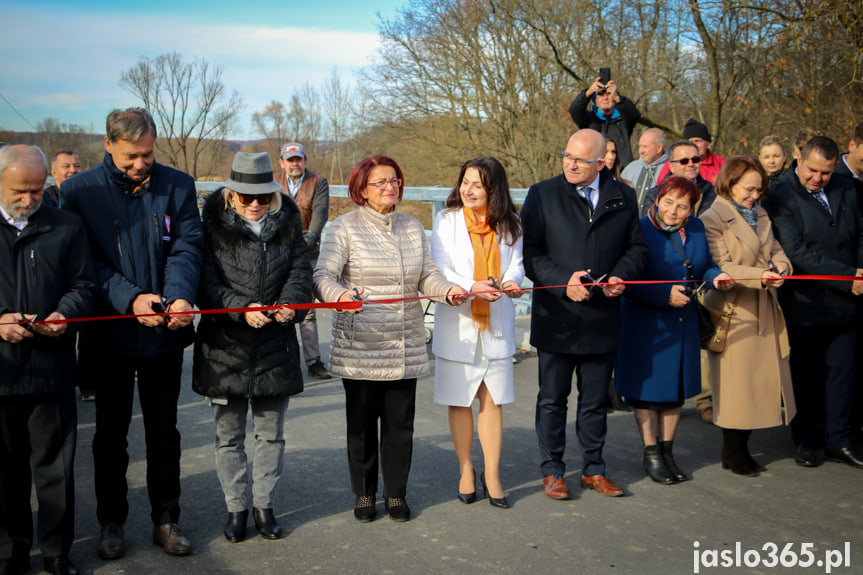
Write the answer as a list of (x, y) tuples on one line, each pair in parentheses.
[(588, 279)]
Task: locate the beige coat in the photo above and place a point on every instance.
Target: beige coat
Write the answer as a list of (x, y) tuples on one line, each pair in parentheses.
[(751, 378), (388, 256)]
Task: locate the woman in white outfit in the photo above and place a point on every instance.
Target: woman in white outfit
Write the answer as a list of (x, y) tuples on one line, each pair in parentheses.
[(477, 244)]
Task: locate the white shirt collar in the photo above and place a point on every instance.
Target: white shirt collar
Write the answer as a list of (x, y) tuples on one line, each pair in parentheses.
[(850, 169), (294, 188), (18, 223)]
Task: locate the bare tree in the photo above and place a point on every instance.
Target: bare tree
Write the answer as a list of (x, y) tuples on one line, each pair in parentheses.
[(338, 109), (299, 121), (192, 110), (54, 136)]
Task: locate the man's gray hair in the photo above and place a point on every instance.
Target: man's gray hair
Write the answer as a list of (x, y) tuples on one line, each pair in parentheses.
[(13, 154), (130, 125), (658, 136)]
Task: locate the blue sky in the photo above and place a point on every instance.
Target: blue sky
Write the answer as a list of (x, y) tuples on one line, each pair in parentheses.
[(63, 59)]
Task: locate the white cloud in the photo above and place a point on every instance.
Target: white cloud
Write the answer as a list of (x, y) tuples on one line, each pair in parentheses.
[(70, 61)]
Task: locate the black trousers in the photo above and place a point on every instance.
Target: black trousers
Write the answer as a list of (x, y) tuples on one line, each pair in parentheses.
[(38, 430), (394, 404), (823, 374), (158, 392), (593, 373)]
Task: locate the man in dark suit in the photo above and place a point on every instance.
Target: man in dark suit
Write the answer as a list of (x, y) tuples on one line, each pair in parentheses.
[(817, 220), (578, 225), (47, 275), (850, 166)]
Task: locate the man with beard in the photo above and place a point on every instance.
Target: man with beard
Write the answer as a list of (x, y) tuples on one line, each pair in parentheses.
[(311, 193), (47, 275)]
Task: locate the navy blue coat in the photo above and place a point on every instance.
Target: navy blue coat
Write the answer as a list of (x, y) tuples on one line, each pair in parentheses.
[(658, 342), (560, 237), (146, 242), (818, 243)]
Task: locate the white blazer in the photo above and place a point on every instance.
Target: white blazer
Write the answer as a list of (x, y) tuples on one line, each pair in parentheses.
[(454, 332)]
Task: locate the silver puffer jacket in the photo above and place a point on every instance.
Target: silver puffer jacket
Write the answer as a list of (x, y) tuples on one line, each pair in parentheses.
[(387, 256)]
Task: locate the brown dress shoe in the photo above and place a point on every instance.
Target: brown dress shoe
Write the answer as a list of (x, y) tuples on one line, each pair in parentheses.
[(171, 538), (110, 544), (603, 484), (706, 414), (555, 487)]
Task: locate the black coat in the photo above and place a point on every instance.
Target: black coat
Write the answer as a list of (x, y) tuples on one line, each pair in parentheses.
[(843, 170), (46, 268), (560, 238), (705, 188), (618, 129), (818, 243), (239, 268)]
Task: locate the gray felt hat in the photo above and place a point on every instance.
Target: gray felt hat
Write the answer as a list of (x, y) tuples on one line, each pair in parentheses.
[(252, 174)]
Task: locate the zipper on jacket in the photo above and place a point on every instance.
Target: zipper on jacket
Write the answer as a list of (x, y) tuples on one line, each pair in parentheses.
[(117, 233), (33, 261), (158, 243), (254, 358)]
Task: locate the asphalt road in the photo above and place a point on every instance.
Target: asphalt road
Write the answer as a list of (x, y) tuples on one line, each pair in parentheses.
[(654, 529)]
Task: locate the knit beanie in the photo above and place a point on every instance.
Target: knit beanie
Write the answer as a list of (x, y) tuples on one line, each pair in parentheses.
[(695, 129)]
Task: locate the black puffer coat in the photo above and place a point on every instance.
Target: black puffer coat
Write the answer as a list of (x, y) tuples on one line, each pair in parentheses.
[(231, 357)]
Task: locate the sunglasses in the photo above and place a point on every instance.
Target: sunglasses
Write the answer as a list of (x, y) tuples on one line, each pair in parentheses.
[(685, 161), (247, 199)]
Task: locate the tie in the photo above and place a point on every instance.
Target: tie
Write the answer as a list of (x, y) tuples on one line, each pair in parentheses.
[(587, 193), (822, 199)]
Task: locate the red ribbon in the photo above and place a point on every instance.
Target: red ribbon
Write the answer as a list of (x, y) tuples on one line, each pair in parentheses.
[(349, 305)]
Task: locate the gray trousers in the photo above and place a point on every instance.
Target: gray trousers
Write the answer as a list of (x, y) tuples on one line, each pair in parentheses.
[(268, 417), (309, 330)]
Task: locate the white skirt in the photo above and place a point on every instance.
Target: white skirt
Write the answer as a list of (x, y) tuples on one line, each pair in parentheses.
[(456, 383)]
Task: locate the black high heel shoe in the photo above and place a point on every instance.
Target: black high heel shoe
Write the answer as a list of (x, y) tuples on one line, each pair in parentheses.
[(469, 498), (500, 502), (235, 528), (265, 521)]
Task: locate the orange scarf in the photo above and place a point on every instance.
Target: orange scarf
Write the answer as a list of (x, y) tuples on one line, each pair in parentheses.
[(486, 262)]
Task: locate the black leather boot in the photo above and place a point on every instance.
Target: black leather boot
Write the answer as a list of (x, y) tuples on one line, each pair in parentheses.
[(734, 453), (667, 456), (265, 521), (752, 463), (235, 527), (655, 466)]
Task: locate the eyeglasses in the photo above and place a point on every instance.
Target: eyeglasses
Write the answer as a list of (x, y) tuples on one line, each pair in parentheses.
[(384, 183), (247, 199), (567, 159), (751, 191), (685, 161)]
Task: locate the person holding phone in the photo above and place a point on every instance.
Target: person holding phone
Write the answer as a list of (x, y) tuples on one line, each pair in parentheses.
[(602, 108)]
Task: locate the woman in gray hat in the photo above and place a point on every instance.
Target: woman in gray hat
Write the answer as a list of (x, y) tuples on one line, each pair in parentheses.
[(254, 255)]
